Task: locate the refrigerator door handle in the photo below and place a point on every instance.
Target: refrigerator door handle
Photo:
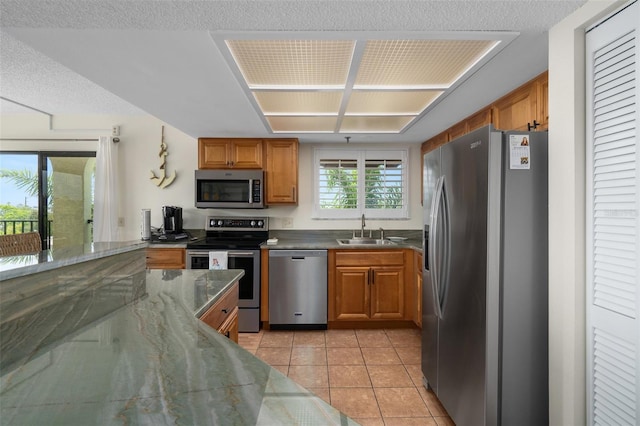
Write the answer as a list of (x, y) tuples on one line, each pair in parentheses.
[(443, 276), (433, 238)]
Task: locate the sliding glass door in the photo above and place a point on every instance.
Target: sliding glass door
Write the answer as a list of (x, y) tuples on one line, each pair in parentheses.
[(48, 192)]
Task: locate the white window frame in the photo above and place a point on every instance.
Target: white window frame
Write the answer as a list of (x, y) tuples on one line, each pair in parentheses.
[(360, 156)]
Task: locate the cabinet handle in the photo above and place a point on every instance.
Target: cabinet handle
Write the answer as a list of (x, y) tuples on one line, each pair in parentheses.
[(224, 311), (534, 126), (228, 334)]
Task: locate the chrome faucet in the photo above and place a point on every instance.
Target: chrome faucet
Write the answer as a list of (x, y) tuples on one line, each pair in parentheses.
[(381, 234), (362, 228)]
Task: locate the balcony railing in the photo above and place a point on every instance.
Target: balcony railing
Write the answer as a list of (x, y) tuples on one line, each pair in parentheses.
[(20, 226)]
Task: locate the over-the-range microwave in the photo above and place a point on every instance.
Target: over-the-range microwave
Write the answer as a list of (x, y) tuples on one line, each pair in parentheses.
[(229, 189)]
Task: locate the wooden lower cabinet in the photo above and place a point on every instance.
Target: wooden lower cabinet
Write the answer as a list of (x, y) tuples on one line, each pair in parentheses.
[(223, 314), (352, 299), (367, 285), (229, 328), (165, 258)]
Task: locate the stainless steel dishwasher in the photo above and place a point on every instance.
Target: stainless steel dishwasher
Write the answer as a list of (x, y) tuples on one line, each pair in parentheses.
[(298, 289)]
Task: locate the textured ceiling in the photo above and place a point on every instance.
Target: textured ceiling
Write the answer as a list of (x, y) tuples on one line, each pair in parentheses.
[(159, 57)]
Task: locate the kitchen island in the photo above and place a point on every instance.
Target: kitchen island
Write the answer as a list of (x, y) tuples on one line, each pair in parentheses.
[(47, 260), (131, 350)]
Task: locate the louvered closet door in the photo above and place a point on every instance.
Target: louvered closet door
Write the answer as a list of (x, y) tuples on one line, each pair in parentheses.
[(613, 245)]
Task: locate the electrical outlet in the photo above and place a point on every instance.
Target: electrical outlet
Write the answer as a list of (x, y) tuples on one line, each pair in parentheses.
[(115, 130), (287, 222), (121, 221)]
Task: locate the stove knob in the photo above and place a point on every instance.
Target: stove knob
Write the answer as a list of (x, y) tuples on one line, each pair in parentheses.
[(260, 223), (219, 223), (253, 223)]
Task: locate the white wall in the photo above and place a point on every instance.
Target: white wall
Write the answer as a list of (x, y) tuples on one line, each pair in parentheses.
[(567, 350), (138, 155)]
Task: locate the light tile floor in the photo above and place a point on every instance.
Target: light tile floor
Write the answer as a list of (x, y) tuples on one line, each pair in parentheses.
[(373, 376)]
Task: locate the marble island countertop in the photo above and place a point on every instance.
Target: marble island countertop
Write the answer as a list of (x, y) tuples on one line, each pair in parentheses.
[(131, 351), (46, 260)]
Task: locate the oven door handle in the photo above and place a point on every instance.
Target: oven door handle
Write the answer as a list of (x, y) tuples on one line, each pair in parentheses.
[(197, 252), (240, 253)]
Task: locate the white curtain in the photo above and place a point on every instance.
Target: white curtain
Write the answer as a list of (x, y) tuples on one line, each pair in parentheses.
[(105, 207)]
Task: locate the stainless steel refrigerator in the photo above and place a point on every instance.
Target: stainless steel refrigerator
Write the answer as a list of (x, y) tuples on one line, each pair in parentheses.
[(485, 308)]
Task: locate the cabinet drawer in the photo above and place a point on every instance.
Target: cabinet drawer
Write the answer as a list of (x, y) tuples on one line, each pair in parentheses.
[(165, 258), (229, 327), (369, 258), (221, 309)]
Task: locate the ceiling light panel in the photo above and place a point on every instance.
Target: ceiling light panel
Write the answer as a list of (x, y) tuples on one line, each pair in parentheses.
[(371, 124), (302, 124), (293, 63), (423, 63), (295, 103), (390, 102)]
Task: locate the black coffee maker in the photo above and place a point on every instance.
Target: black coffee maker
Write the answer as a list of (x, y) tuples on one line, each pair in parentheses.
[(172, 219)]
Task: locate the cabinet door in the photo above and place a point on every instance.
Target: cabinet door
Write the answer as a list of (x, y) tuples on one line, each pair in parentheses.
[(352, 293), (516, 110), (543, 102), (213, 153), (246, 153), (479, 119), (165, 258), (387, 292), (282, 171), (436, 141), (458, 130)]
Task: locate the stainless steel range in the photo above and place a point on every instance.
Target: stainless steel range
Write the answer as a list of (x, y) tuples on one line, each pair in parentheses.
[(240, 238)]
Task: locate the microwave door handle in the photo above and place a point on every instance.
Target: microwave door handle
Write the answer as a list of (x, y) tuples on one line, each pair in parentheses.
[(250, 191)]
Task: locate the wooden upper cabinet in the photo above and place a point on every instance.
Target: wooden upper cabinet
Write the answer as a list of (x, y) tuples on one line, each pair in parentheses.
[(458, 130), (225, 153), (479, 119), (516, 111), (543, 102), (436, 141), (281, 171), (526, 108)]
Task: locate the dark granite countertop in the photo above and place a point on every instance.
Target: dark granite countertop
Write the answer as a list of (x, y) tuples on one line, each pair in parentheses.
[(324, 240)]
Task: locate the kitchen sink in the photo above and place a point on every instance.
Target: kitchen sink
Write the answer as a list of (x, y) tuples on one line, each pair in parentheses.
[(364, 242)]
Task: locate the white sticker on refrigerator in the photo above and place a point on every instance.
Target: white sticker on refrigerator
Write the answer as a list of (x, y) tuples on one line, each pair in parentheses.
[(519, 153)]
